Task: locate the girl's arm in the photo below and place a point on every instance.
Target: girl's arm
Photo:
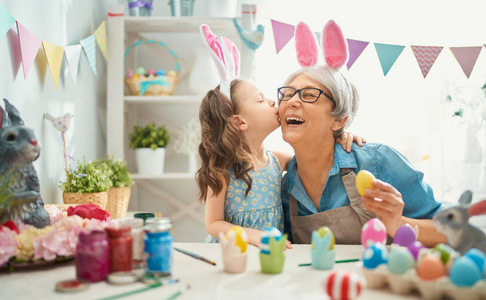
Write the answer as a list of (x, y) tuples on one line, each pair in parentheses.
[(283, 159), (347, 138)]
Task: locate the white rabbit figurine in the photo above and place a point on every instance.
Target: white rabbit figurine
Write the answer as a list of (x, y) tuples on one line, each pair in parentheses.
[(454, 223)]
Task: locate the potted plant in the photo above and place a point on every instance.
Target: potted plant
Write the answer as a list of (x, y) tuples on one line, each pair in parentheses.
[(119, 193), (149, 143), (89, 183)]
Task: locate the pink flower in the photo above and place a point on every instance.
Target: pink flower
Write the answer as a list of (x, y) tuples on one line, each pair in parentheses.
[(58, 242), (89, 211), (8, 244), (69, 223), (10, 225), (54, 212)]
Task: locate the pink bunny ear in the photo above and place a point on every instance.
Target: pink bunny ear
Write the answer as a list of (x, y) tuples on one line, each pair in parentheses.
[(334, 45), (232, 56), (478, 208), (306, 45), (215, 50)]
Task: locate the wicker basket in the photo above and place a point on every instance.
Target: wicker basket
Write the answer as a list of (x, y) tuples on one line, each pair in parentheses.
[(99, 199), (118, 198), (158, 85)]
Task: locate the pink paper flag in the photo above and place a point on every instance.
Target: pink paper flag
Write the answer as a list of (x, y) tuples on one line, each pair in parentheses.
[(355, 48), (466, 57), (282, 33), (426, 56), (54, 59), (29, 45)]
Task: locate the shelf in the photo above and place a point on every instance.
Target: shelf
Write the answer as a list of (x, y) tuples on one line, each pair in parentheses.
[(176, 24), (179, 99), (136, 176)]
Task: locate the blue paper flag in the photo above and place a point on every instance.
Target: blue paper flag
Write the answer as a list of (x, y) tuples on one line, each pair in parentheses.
[(388, 54), (6, 21)]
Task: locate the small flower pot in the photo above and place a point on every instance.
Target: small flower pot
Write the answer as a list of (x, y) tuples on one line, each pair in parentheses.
[(150, 161)]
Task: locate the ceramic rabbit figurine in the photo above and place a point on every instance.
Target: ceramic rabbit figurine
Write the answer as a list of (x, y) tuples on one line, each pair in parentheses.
[(454, 223), (20, 198)]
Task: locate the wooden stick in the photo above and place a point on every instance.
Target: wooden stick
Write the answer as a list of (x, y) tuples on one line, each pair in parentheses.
[(65, 160)]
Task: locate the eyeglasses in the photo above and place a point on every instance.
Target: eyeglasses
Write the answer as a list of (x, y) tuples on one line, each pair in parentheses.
[(308, 95)]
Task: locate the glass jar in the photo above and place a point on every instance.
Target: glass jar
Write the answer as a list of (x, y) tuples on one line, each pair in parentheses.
[(136, 224), (120, 244), (144, 216), (158, 246), (92, 256)]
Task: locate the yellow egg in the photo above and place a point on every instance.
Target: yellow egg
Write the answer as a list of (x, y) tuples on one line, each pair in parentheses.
[(363, 181), (241, 238)]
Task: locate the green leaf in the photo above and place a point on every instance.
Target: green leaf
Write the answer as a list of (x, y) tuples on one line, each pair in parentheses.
[(149, 136)]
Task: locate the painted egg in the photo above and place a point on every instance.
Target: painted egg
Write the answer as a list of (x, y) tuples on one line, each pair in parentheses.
[(323, 231), (375, 255), (363, 181), (400, 260), (241, 238), (415, 248), (140, 71), (160, 72), (343, 285), (477, 256), (266, 235), (130, 73), (172, 73), (151, 72), (464, 272), (431, 267), (373, 231), (445, 251), (405, 235)]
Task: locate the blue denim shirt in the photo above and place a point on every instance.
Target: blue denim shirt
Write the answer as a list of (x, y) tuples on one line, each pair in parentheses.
[(386, 163)]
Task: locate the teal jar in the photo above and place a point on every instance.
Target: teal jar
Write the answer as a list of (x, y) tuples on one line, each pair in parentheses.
[(158, 242)]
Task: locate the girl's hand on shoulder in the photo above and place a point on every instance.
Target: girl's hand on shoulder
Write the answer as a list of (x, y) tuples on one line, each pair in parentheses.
[(347, 138)]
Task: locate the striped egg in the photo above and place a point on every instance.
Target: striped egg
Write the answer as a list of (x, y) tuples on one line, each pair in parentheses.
[(343, 285), (266, 235)]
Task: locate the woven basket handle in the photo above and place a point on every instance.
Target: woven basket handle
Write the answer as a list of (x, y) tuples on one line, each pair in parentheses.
[(162, 44)]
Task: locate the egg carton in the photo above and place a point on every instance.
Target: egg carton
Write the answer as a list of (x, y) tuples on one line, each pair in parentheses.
[(434, 289)]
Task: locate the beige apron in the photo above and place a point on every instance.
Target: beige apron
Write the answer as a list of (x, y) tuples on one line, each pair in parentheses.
[(345, 222)]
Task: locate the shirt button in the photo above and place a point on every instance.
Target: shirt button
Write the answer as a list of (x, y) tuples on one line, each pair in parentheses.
[(324, 192)]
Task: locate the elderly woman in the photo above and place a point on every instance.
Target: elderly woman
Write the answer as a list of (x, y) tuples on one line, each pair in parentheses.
[(316, 104)]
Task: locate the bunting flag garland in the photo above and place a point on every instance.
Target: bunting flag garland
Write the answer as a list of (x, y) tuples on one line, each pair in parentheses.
[(54, 59), (466, 57), (90, 50), (72, 55), (282, 33), (388, 54), (29, 45), (355, 49), (426, 57), (6, 20), (100, 35)]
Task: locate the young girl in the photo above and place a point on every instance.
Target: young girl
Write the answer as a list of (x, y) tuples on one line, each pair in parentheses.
[(239, 180)]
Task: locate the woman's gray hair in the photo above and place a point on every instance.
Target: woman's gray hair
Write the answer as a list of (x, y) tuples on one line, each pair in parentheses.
[(344, 93)]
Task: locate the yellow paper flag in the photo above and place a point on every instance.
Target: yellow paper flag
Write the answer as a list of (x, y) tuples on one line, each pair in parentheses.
[(54, 55), (100, 36)]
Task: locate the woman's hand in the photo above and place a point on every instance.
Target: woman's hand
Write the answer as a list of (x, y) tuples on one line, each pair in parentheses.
[(347, 138), (386, 202)]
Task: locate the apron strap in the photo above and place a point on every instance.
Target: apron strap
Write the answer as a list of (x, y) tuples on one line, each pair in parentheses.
[(349, 179)]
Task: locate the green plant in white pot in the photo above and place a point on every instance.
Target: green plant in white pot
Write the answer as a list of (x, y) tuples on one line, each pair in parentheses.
[(149, 143)]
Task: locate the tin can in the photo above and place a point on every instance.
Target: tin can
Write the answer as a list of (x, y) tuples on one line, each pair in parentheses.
[(158, 246), (92, 256)]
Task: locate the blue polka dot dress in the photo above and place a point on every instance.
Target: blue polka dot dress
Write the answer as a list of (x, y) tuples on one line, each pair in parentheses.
[(263, 207)]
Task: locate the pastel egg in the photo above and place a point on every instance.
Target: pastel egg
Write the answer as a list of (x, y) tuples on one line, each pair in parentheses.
[(464, 272), (400, 260), (130, 73), (445, 251), (343, 285), (140, 71), (266, 235), (151, 72), (323, 231), (431, 267), (373, 231), (477, 256), (241, 238), (415, 248), (405, 235), (375, 255), (172, 73), (160, 72), (363, 181)]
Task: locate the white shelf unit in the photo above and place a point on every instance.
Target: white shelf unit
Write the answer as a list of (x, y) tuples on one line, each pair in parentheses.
[(173, 193)]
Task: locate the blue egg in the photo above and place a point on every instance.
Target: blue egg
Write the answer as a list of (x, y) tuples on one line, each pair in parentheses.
[(400, 260), (160, 72), (477, 256), (266, 235), (464, 272), (375, 255)]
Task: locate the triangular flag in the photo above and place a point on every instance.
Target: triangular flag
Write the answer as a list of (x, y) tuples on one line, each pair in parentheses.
[(282, 33), (426, 56), (388, 54), (6, 20), (318, 37), (90, 50), (29, 46), (100, 35), (466, 57), (355, 48), (54, 59), (72, 54)]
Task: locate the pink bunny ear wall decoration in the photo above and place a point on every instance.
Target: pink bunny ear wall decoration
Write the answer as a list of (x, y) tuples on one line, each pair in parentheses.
[(225, 55)]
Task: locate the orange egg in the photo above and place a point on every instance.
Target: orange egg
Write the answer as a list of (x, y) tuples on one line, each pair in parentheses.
[(431, 267)]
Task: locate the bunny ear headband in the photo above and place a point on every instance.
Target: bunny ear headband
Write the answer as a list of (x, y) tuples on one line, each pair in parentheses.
[(225, 55), (334, 45)]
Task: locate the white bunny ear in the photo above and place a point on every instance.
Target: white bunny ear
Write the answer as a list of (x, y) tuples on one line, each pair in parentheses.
[(232, 57), (334, 45), (306, 45), (215, 51)]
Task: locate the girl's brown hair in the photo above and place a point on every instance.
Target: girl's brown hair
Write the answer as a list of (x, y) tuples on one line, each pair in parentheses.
[(222, 146)]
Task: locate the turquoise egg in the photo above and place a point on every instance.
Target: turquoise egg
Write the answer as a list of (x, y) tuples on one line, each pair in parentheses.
[(464, 272), (400, 260), (266, 235), (375, 255), (477, 256)]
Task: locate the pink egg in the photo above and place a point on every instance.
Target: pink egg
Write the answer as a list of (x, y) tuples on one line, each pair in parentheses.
[(405, 236), (373, 231), (151, 72), (130, 73), (343, 285)]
